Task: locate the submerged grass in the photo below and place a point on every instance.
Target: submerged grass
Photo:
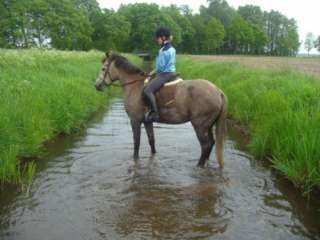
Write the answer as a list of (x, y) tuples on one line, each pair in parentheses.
[(43, 93), (281, 108)]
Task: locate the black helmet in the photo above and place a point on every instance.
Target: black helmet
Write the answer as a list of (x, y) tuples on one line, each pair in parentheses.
[(162, 31)]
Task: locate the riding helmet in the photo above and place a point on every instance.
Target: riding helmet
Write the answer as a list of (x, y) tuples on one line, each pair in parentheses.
[(162, 31)]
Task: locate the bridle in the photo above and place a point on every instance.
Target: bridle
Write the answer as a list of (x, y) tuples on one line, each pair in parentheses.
[(107, 74)]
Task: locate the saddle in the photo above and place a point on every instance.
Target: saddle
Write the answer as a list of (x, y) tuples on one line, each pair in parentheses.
[(165, 97)]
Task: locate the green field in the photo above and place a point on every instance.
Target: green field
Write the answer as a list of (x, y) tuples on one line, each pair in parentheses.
[(280, 108), (43, 93)]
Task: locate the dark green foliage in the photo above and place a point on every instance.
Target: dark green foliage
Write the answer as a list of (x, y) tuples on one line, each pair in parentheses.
[(145, 19), (214, 35), (240, 35), (30, 23), (82, 25)]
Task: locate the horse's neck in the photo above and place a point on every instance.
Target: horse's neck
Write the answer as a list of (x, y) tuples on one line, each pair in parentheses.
[(132, 86)]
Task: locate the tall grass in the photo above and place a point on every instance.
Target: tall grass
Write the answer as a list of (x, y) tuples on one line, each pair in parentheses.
[(43, 93), (281, 108)]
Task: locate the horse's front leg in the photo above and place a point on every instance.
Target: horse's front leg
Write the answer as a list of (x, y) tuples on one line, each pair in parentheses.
[(136, 129), (150, 133)]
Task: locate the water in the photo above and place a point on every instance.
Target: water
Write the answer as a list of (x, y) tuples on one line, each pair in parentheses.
[(89, 187)]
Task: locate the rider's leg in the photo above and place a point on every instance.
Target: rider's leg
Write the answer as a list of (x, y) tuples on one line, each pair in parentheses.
[(149, 91)]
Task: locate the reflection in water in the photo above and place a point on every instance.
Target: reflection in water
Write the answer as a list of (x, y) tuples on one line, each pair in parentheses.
[(89, 187), (171, 211)]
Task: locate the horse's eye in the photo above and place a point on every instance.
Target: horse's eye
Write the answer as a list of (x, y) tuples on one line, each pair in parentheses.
[(103, 69)]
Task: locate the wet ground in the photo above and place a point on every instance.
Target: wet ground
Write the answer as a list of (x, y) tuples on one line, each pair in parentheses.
[(89, 187)]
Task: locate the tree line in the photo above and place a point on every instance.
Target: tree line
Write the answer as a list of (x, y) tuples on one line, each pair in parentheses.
[(83, 25)]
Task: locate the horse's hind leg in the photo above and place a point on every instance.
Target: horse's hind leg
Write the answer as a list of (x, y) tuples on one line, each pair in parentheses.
[(211, 139), (206, 140), (150, 133)]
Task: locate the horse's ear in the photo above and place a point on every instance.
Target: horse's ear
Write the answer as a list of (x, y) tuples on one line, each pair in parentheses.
[(108, 53)]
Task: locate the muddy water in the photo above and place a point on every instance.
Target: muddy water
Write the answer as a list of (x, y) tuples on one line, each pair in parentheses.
[(89, 187)]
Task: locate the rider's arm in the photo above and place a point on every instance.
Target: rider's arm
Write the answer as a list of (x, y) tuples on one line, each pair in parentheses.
[(166, 61), (152, 72)]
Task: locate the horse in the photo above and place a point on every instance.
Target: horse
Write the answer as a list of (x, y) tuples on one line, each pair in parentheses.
[(197, 101)]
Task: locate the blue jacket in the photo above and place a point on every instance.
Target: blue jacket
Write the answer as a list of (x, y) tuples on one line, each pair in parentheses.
[(166, 60)]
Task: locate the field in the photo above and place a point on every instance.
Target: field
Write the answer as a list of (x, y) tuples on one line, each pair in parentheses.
[(302, 64), (279, 106), (43, 93)]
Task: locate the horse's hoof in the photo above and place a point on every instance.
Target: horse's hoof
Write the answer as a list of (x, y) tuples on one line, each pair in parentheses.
[(200, 165)]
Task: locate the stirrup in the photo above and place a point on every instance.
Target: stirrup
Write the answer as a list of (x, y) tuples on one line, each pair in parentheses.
[(151, 116)]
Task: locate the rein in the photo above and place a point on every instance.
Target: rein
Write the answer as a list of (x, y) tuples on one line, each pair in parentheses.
[(107, 73), (127, 83), (131, 82)]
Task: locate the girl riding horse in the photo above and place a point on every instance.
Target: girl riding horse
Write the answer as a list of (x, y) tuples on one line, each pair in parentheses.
[(165, 71)]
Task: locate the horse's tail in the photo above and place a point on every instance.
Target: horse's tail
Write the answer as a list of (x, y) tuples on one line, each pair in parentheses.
[(221, 130)]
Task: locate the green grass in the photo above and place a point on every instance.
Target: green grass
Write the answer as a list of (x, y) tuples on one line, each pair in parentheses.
[(281, 109), (43, 93)]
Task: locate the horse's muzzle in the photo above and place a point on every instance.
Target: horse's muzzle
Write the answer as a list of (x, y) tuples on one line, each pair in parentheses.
[(98, 87)]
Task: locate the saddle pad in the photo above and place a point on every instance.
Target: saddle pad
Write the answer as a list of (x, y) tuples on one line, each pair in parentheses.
[(147, 80), (173, 82)]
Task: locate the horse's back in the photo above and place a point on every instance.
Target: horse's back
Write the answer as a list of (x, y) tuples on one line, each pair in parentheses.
[(199, 90), (199, 97), (189, 99)]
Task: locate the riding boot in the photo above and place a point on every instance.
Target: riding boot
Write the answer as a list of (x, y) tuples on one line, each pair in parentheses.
[(153, 114)]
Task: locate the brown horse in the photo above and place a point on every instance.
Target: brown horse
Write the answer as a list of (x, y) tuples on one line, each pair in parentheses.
[(198, 101)]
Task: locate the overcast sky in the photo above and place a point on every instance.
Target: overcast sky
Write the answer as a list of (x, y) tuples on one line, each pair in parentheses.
[(306, 12)]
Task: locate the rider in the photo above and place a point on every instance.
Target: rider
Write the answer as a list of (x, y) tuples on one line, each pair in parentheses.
[(165, 71)]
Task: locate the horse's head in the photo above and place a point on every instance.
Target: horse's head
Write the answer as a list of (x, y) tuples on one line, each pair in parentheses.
[(108, 73)]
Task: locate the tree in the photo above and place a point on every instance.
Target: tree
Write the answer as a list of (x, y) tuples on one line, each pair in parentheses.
[(33, 23), (183, 21), (111, 30), (219, 9), (260, 40), (186, 10), (309, 42), (145, 19), (287, 43), (83, 25), (214, 35), (197, 44), (240, 35), (69, 26), (282, 34), (254, 16), (317, 43), (15, 24)]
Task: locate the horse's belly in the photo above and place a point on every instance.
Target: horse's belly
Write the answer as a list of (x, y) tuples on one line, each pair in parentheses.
[(169, 109), (172, 116)]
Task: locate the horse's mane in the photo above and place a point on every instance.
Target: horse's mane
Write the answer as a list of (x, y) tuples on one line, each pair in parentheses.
[(123, 63)]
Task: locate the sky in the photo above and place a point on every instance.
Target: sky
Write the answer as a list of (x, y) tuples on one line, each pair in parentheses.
[(306, 12)]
